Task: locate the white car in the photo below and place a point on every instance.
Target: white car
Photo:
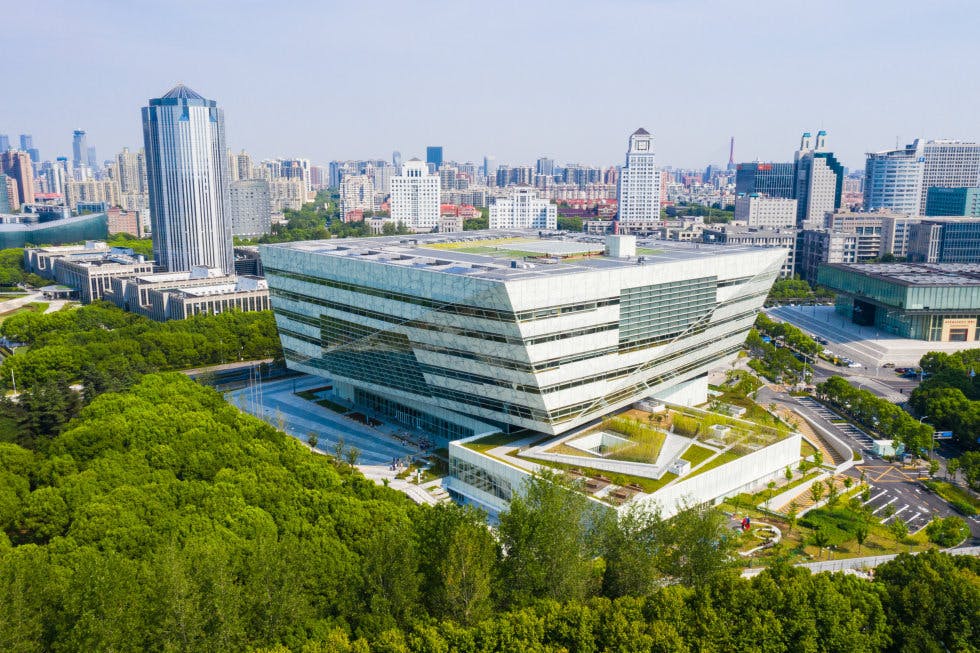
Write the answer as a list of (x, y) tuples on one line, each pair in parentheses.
[(853, 364)]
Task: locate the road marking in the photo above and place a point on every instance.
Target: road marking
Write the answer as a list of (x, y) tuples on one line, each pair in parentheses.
[(896, 513), (875, 497), (912, 518), (883, 505)]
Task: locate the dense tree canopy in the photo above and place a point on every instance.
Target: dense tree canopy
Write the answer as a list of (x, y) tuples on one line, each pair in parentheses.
[(163, 519), (950, 396)]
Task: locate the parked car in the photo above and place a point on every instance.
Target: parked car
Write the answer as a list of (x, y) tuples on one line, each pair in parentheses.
[(889, 365), (853, 364)]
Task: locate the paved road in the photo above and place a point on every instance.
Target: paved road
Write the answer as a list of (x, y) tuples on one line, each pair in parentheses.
[(301, 417), (895, 493)]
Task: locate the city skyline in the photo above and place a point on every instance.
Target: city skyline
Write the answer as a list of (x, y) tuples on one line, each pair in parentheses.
[(691, 96)]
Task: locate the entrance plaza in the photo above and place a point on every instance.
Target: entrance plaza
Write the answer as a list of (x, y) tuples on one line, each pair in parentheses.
[(868, 345), (277, 402)]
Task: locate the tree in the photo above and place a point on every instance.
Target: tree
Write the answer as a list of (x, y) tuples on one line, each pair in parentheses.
[(312, 439), (820, 539), (339, 449), (861, 534), (832, 492), (792, 515), (948, 531), (817, 458), (699, 546), (457, 567), (352, 455), (899, 530), (634, 545), (933, 467), (788, 473), (816, 491), (771, 485), (549, 540)]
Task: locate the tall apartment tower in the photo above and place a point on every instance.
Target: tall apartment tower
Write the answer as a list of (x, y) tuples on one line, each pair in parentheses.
[(4, 142), (17, 165), (893, 179), (523, 210), (79, 148), (129, 171), (639, 182), (818, 182), (949, 164), (415, 197), (184, 136)]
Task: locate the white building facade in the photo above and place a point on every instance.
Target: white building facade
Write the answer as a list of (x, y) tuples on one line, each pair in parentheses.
[(187, 174), (415, 197), (523, 209), (949, 164), (639, 183), (893, 179), (766, 212), (442, 339)]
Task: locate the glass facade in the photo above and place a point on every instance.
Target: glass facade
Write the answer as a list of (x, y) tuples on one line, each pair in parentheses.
[(538, 351), (772, 179)]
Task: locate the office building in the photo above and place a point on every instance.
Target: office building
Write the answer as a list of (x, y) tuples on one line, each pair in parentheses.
[(17, 165), (523, 209), (88, 268), (4, 142), (893, 179), (949, 164), (83, 192), (947, 240), (765, 212), (250, 208), (433, 156), (770, 179), (27, 145), (457, 342), (935, 302), (396, 159), (414, 198), (816, 247), (79, 148), (818, 184), (179, 295), (730, 235), (184, 139), (953, 202), (639, 185)]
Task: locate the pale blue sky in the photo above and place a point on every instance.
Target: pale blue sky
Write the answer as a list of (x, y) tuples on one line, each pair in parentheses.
[(336, 80)]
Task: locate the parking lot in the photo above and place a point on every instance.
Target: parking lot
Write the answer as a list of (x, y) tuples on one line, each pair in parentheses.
[(864, 441)]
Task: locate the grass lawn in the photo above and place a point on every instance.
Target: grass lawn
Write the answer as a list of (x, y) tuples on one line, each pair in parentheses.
[(484, 445), (7, 298), (720, 459), (954, 494), (466, 246), (566, 450), (33, 307), (696, 454), (806, 449)]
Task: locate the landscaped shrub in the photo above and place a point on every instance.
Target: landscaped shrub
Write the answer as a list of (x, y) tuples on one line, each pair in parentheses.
[(685, 425)]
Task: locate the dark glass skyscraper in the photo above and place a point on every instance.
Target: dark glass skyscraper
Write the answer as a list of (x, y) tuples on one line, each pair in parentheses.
[(184, 137), (433, 155), (772, 179)]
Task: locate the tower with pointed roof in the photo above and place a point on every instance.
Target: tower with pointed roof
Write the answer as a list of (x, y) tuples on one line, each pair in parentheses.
[(639, 185), (184, 137)]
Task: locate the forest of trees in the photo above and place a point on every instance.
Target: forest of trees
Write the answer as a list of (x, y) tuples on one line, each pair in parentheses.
[(103, 348), (950, 396), (163, 519)]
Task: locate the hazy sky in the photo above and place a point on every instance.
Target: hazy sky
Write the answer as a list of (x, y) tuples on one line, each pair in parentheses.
[(515, 79)]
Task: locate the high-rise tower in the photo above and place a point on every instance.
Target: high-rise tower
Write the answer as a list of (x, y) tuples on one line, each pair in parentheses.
[(639, 183), (819, 180), (184, 137), (79, 148)]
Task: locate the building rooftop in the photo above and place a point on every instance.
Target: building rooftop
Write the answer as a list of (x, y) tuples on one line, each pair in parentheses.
[(918, 274), (181, 92), (505, 255)]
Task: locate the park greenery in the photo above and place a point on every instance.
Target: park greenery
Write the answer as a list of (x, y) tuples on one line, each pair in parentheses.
[(878, 415), (949, 397), (145, 513), (797, 290), (162, 519), (569, 223), (779, 359), (73, 355), (13, 273), (711, 214), (140, 246)]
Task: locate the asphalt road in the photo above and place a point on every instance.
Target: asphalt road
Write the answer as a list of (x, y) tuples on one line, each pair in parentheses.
[(895, 492)]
